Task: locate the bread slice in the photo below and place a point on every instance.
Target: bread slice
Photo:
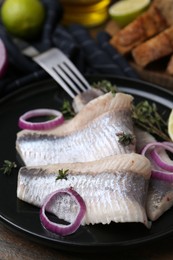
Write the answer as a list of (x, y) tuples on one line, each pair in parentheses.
[(141, 29), (154, 49)]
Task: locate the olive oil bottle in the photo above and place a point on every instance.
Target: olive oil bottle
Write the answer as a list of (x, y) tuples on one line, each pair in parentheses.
[(86, 12)]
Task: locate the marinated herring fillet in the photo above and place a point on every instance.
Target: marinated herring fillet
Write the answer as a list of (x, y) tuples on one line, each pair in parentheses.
[(159, 199), (114, 188), (92, 134), (160, 192)]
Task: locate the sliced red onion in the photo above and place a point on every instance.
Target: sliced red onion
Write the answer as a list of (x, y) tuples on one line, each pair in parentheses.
[(164, 145), (160, 162), (24, 124), (3, 59), (61, 229), (160, 169), (169, 143)]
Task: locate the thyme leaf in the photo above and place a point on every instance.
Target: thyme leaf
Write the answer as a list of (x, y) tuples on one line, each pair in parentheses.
[(145, 115), (62, 174), (7, 167), (67, 110), (125, 139)]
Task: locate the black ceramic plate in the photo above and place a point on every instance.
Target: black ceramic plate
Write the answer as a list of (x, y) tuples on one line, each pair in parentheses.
[(24, 218)]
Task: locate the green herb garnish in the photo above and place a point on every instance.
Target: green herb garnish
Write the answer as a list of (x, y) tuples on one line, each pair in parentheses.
[(62, 174), (7, 167), (105, 86), (67, 110), (145, 115), (125, 139)]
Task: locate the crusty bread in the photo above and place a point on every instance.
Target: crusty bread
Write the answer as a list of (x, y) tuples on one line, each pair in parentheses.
[(165, 7), (145, 26), (150, 36)]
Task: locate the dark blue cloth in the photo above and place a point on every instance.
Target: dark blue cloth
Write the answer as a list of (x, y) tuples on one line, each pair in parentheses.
[(91, 56)]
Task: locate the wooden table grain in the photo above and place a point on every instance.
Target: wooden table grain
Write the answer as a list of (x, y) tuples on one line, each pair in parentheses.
[(14, 246)]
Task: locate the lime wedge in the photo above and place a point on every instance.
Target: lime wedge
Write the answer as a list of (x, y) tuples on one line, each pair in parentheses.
[(170, 125), (125, 11)]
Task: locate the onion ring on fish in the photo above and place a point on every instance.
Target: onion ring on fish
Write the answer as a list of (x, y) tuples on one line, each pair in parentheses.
[(62, 229), (24, 124), (161, 169)]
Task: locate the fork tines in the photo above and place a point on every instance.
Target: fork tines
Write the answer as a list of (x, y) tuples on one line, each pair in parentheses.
[(63, 71)]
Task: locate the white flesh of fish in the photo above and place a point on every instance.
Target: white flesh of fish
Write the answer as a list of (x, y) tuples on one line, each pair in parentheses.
[(91, 135), (114, 188)]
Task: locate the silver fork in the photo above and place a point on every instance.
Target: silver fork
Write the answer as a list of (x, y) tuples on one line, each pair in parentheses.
[(58, 65)]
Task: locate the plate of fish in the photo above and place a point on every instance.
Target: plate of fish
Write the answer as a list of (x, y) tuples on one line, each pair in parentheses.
[(101, 154)]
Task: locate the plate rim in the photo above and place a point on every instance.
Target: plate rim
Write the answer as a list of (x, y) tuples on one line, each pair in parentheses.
[(74, 247), (88, 77)]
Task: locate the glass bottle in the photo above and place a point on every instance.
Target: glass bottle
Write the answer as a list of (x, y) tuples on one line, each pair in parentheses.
[(86, 12)]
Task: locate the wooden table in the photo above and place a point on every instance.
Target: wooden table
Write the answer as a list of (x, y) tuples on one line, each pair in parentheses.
[(16, 247)]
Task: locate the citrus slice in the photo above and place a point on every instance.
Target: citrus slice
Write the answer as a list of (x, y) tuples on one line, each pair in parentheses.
[(170, 125), (125, 11)]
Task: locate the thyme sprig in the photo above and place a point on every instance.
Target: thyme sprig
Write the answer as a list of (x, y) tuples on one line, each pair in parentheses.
[(7, 167), (62, 174), (67, 110), (145, 115)]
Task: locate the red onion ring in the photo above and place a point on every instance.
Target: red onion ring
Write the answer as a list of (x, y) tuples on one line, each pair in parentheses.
[(165, 145), (168, 143), (160, 169), (60, 228), (161, 163), (24, 124)]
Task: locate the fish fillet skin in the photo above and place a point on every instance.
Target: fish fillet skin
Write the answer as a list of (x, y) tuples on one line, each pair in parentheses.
[(160, 198), (114, 188), (160, 193), (142, 139), (92, 134)]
